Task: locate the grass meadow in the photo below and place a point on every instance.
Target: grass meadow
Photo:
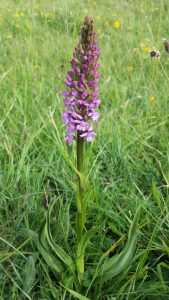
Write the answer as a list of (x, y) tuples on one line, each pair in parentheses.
[(127, 164)]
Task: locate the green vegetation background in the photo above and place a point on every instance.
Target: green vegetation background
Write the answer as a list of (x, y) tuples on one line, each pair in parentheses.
[(128, 163)]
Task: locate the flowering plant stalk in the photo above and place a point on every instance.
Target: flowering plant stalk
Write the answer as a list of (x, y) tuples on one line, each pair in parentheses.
[(81, 100)]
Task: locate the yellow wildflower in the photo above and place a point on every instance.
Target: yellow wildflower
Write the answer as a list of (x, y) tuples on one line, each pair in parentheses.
[(106, 24), (117, 24), (22, 14), (151, 98), (98, 17), (146, 49), (86, 11), (130, 69)]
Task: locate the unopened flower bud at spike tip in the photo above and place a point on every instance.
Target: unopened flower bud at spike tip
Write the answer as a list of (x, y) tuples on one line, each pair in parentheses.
[(81, 94)]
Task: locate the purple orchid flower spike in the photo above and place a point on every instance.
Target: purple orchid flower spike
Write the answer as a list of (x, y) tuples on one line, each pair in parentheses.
[(81, 94), (81, 99)]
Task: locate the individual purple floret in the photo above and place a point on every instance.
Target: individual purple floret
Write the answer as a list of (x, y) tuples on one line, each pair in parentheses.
[(81, 95)]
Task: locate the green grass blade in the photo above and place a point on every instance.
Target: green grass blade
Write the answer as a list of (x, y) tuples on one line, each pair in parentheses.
[(160, 273), (77, 295), (15, 283), (11, 246)]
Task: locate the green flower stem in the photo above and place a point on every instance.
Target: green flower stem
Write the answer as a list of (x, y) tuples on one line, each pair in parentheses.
[(80, 203)]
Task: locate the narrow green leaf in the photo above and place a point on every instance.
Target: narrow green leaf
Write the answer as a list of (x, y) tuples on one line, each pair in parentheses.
[(14, 282), (54, 264), (115, 265), (67, 260), (156, 195), (11, 246), (160, 273), (77, 295), (53, 288), (17, 273), (155, 192), (83, 243), (115, 229), (166, 247)]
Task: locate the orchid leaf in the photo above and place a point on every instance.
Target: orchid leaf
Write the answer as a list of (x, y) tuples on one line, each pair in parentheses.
[(54, 264), (29, 273), (60, 253), (115, 265)]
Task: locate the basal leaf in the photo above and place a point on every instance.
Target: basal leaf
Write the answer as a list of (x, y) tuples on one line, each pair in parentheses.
[(115, 265), (54, 264), (29, 273), (67, 260)]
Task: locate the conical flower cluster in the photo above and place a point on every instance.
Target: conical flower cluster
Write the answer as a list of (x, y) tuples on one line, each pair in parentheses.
[(81, 95)]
